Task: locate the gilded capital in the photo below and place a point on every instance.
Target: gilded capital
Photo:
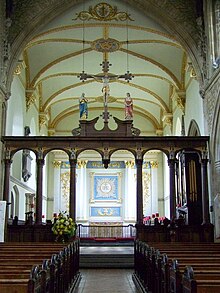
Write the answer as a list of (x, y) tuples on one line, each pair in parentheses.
[(81, 164), (51, 131), (191, 70), (30, 98), (129, 164), (168, 119), (154, 164), (56, 164), (20, 66), (159, 132), (180, 99), (43, 119)]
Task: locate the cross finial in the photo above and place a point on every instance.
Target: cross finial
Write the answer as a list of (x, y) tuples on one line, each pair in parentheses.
[(105, 66)]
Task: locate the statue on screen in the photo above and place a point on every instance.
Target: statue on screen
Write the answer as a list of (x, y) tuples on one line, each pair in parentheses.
[(105, 89), (83, 107), (128, 107)]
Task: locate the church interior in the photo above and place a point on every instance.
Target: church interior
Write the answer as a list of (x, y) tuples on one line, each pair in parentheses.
[(110, 123)]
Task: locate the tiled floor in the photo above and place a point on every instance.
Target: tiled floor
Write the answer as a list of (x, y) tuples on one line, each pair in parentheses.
[(106, 281)]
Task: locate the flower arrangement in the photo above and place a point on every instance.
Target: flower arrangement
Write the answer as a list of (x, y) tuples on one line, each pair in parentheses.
[(63, 227)]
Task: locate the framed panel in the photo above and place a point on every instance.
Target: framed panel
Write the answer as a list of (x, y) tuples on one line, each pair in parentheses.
[(105, 212), (105, 187)]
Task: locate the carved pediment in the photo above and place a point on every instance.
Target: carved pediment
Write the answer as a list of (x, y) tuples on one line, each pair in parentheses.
[(124, 129)]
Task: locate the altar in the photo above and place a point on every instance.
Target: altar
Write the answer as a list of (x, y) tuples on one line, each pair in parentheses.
[(106, 230)]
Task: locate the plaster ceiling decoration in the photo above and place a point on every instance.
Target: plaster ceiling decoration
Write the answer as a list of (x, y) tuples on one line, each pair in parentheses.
[(87, 38)]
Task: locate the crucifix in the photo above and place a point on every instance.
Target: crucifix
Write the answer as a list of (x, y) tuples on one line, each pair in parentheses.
[(106, 77)]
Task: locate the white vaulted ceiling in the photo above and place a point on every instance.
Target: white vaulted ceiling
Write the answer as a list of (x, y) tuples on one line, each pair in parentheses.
[(56, 56)]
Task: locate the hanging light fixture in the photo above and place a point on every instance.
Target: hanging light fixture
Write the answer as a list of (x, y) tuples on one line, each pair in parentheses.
[(127, 76), (83, 76), (98, 46)]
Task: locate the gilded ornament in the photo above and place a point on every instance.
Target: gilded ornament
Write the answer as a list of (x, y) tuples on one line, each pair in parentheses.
[(42, 120), (65, 179), (18, 70), (106, 212), (154, 164), (56, 164), (97, 164), (21, 65), (30, 98), (106, 45), (159, 132), (146, 190), (81, 164), (114, 165), (103, 12), (168, 119), (129, 164), (180, 103), (51, 131)]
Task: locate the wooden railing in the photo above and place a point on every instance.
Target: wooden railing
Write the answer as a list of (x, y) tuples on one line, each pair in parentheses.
[(106, 231)]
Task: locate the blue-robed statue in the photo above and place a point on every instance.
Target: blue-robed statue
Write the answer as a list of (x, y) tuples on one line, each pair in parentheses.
[(83, 107)]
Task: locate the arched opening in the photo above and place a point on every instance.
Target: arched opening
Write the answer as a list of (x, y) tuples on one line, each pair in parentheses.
[(194, 129)]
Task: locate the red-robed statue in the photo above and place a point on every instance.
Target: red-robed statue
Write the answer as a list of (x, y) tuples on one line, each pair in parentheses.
[(128, 107)]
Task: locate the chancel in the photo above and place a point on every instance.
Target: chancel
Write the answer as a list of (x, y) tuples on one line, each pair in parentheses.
[(110, 134)]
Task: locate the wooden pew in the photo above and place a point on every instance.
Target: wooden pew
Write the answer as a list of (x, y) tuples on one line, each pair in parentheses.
[(160, 277), (57, 274), (199, 283), (201, 272)]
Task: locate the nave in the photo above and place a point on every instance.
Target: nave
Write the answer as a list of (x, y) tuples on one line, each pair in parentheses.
[(106, 281)]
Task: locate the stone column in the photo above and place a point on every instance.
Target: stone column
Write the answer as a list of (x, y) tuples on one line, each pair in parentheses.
[(39, 187), (154, 184), (7, 162), (171, 163), (56, 186), (3, 110), (139, 163), (130, 193), (82, 199), (72, 201), (205, 195)]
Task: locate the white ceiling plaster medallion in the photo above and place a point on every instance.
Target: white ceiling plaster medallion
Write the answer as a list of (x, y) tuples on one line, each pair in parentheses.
[(106, 45), (103, 12)]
